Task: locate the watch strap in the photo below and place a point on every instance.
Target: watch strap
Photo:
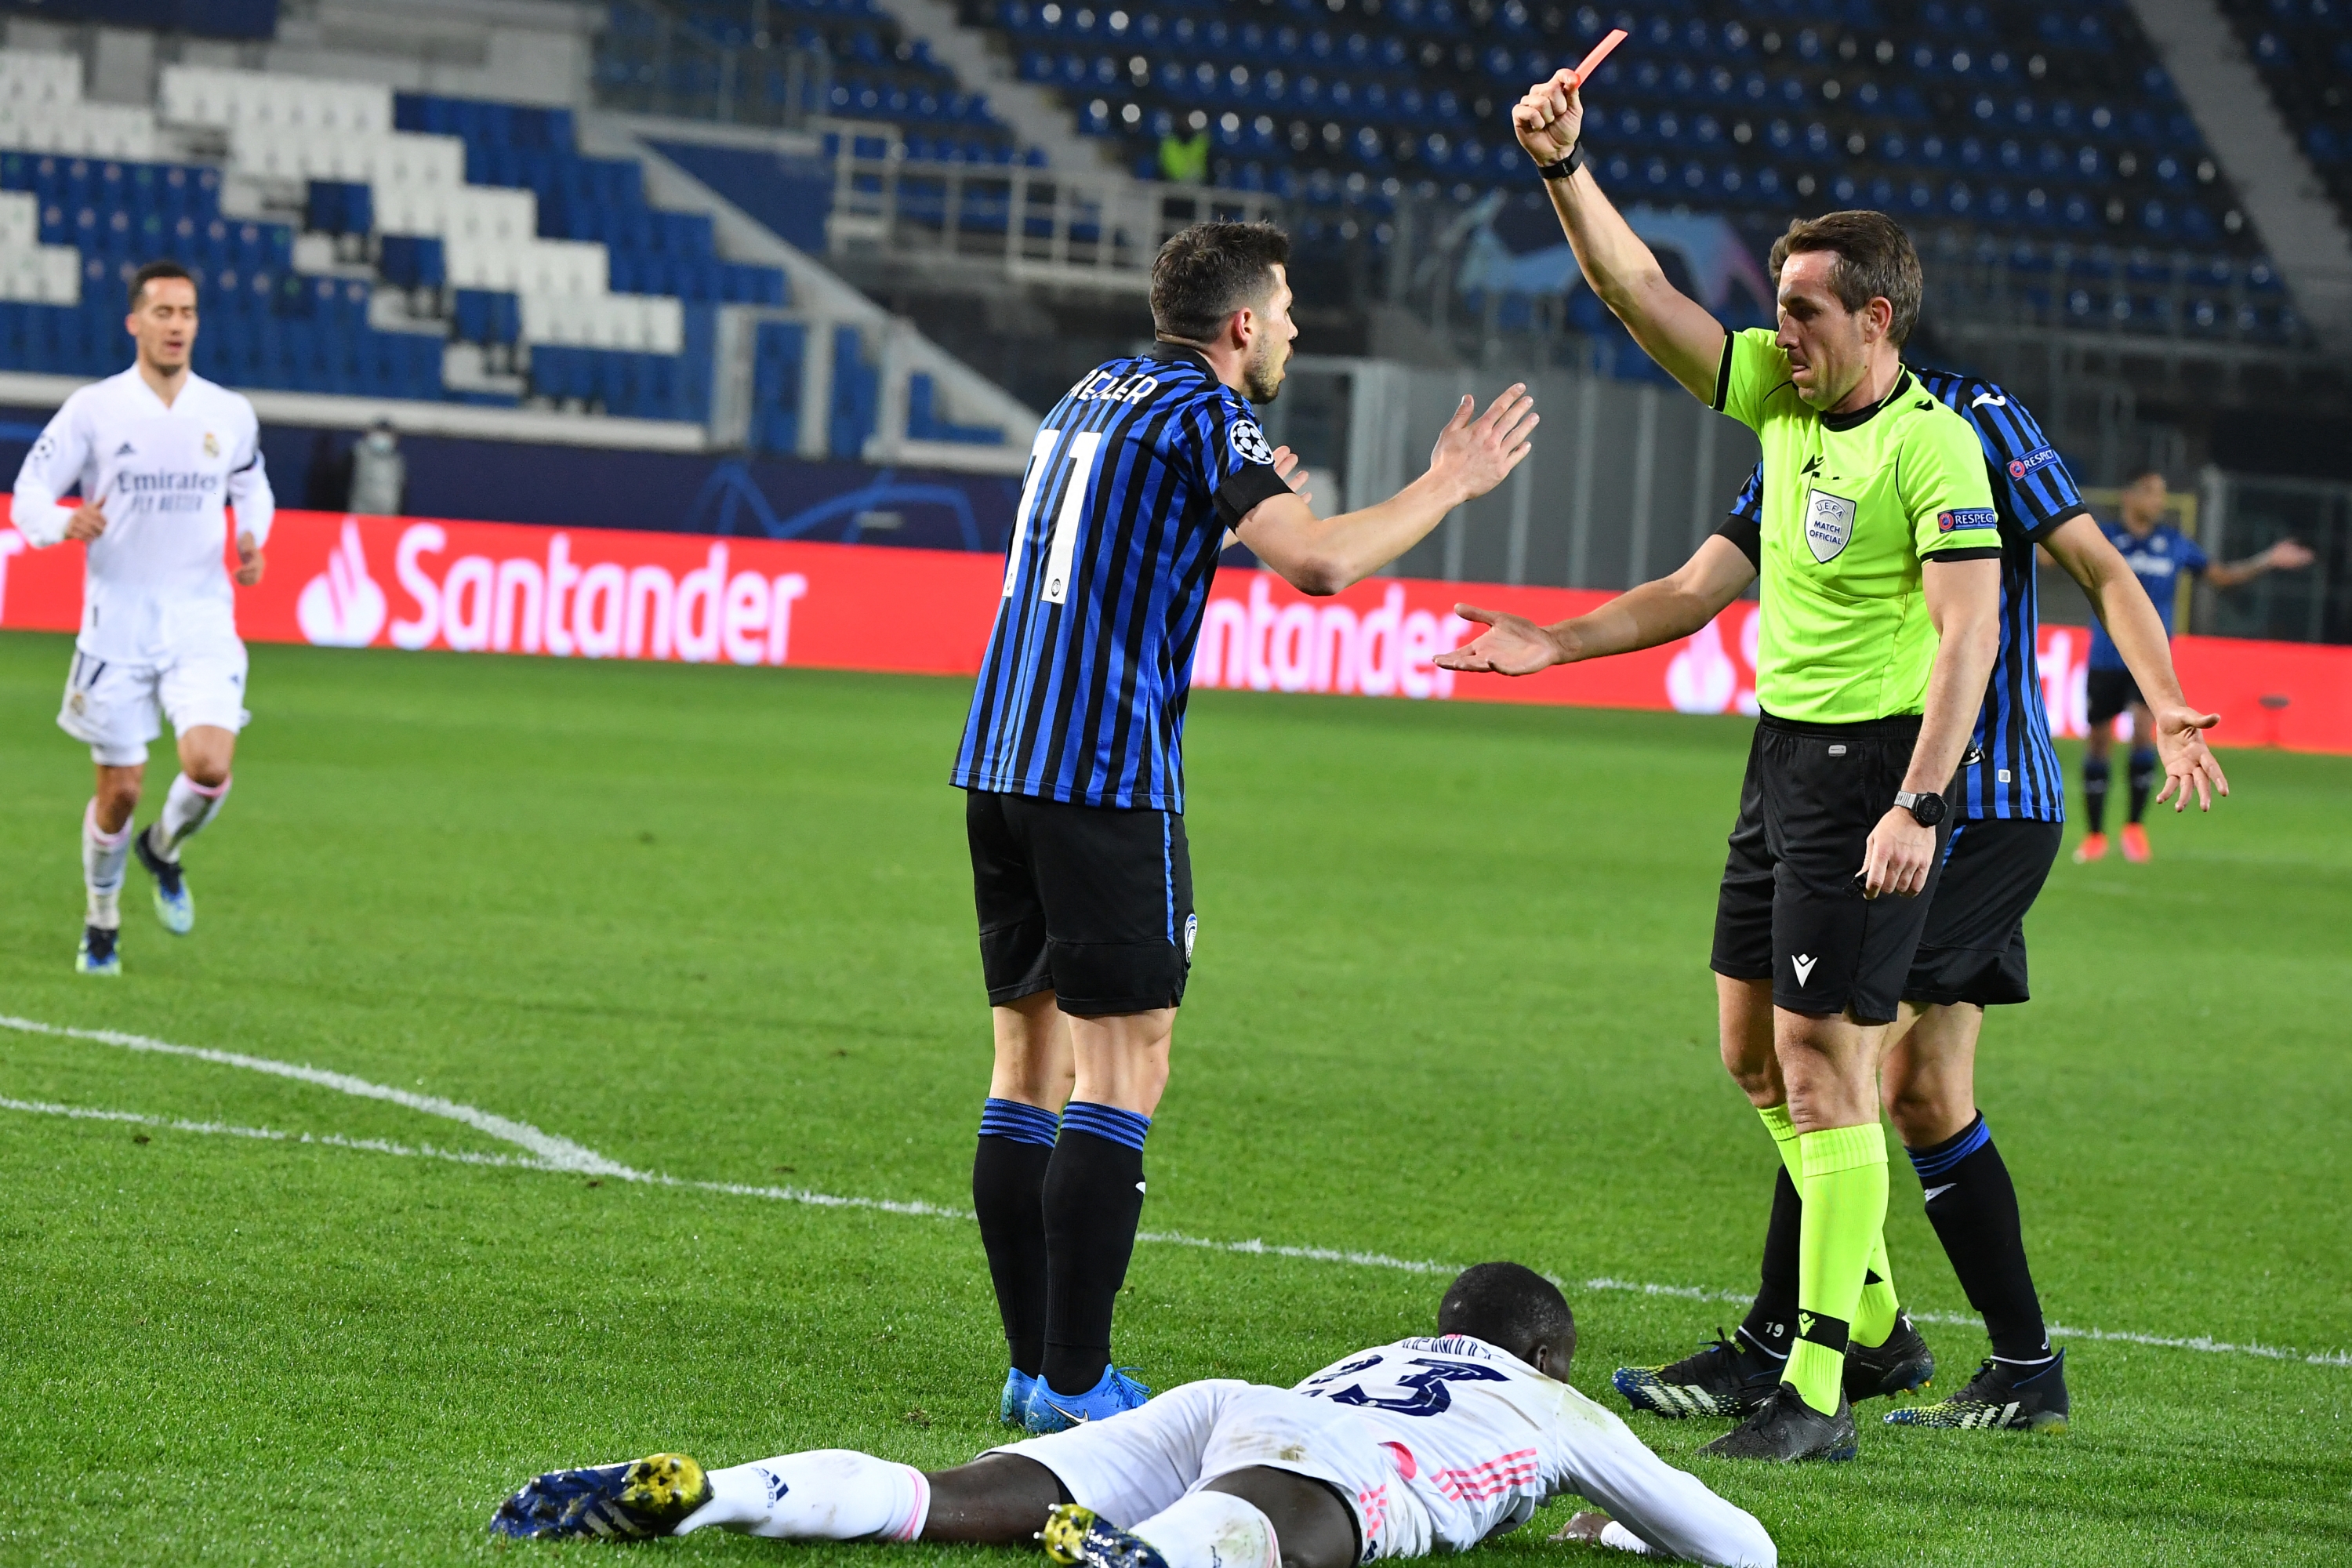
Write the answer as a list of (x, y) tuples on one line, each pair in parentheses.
[(1565, 167)]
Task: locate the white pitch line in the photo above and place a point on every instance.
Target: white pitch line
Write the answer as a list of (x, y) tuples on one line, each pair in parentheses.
[(559, 1152), (563, 1156)]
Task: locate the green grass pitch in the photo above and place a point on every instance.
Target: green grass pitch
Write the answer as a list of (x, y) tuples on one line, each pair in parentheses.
[(1451, 1003)]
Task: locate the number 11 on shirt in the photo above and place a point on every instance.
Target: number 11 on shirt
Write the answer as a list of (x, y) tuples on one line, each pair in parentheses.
[(1080, 472)]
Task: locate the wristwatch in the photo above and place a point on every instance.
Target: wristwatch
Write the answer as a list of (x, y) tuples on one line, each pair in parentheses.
[(1927, 809), (1565, 166)]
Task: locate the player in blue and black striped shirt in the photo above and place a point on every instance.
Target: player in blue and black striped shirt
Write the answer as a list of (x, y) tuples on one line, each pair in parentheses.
[(2009, 812), (1072, 758)]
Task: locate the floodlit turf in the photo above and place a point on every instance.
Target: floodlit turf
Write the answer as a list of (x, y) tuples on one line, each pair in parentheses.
[(1451, 1003)]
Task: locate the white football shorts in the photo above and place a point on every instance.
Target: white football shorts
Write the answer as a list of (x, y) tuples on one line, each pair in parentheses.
[(116, 709), (1133, 1465)]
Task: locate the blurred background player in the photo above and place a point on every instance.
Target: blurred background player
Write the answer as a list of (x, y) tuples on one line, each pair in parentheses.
[(156, 455), (1072, 758), (1399, 1450), (1882, 591), (2160, 554), (2009, 810)]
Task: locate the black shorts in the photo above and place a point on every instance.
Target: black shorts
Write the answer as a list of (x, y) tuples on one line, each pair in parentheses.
[(1974, 947), (1792, 909), (1093, 903), (2110, 692)]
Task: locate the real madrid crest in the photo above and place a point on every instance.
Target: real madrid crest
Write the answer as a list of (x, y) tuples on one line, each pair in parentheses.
[(212, 445)]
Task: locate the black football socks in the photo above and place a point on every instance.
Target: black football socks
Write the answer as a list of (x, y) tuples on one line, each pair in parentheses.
[(1094, 1200), (1008, 1195), (1772, 1318), (1973, 1205), (2094, 794), (2141, 778)]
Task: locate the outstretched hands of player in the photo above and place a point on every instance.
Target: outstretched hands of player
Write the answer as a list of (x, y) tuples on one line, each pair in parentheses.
[(2189, 763), (1474, 454), (1549, 118), (248, 561), (1511, 645), (2288, 555), (88, 521), (1287, 470)]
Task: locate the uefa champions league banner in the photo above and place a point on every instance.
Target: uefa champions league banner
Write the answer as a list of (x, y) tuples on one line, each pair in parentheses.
[(480, 587)]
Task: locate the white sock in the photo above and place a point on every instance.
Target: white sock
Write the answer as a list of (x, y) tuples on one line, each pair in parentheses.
[(186, 809), (1211, 1530), (828, 1494), (103, 856)]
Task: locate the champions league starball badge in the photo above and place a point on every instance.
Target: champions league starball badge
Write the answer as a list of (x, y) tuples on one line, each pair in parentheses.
[(1250, 444)]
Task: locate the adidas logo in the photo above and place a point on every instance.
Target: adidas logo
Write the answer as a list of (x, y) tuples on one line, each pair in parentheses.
[(125, 450), (1803, 963)]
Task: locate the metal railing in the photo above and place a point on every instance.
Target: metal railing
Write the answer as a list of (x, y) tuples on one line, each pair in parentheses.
[(1042, 225), (2242, 514), (658, 62)]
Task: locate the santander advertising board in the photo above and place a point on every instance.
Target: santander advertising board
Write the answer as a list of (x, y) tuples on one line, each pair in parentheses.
[(414, 583)]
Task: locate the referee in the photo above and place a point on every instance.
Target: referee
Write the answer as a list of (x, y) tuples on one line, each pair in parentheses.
[(2008, 819), (1072, 758), (1880, 559)]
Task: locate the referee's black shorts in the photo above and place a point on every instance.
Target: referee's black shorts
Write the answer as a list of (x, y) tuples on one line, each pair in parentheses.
[(1093, 903), (1792, 909), (1974, 947)]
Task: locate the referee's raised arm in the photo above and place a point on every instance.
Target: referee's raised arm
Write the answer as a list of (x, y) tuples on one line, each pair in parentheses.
[(1671, 327)]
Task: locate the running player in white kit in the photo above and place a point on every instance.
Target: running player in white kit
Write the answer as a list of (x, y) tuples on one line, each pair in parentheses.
[(1402, 1450), (156, 455)]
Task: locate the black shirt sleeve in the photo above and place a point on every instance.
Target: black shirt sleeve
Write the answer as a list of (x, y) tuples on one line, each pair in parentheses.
[(1244, 488), (1748, 534)]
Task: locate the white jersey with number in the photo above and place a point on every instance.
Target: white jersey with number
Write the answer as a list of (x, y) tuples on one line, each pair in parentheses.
[(1481, 1439), (155, 587)]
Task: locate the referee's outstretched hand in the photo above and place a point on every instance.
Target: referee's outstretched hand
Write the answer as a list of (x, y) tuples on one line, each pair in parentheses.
[(1473, 455), (2189, 763), (1547, 119)]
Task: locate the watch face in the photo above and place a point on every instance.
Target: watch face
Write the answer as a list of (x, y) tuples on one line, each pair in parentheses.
[(1927, 810)]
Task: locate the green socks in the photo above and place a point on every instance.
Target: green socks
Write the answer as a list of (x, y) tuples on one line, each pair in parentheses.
[(1846, 1213), (1873, 1316)]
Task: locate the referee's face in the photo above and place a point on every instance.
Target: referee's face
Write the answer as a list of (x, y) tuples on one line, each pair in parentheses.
[(1269, 351), (1827, 344)]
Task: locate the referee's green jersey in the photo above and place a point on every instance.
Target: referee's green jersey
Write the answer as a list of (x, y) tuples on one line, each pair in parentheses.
[(1852, 504)]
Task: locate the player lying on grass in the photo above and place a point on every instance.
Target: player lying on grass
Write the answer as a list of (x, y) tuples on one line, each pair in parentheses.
[(1072, 761), (1881, 572), (2011, 805), (1400, 1450), (155, 455)]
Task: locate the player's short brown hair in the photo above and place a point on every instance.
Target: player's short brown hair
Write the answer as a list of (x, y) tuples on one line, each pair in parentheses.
[(1876, 261), (154, 272), (1203, 274)]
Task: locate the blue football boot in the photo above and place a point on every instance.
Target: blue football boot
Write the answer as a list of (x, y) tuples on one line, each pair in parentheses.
[(98, 953), (173, 904), (1013, 1409), (1053, 1412), (1076, 1537), (644, 1498)]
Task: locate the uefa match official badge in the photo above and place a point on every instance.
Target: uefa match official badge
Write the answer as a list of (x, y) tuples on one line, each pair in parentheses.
[(1829, 524)]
